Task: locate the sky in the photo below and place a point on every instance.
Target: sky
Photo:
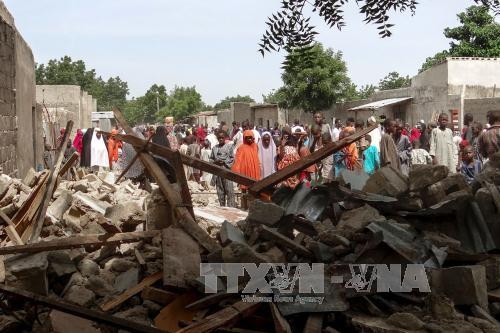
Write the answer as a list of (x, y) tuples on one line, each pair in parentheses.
[(213, 44)]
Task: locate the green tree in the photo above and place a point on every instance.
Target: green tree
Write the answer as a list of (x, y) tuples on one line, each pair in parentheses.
[(290, 27), (477, 36), (112, 92), (182, 102), (133, 111), (366, 91), (226, 102), (275, 96), (394, 80), (314, 78), (152, 102)]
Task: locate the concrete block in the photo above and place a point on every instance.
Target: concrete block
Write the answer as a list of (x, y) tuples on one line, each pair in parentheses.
[(99, 286), (405, 320), (229, 233), (159, 214), (357, 219), (60, 262), (88, 267), (492, 267), (30, 178), (119, 265), (387, 181), (80, 295), (127, 215), (64, 322), (266, 213), (30, 272), (59, 206), (127, 280), (425, 175), (464, 285)]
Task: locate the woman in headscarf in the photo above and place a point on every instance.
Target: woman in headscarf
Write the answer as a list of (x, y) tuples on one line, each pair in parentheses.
[(246, 162), (113, 146), (267, 155), (98, 152), (86, 148), (136, 171), (288, 154), (160, 138), (77, 142)]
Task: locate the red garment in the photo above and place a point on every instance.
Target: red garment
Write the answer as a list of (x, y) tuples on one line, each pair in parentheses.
[(414, 134), (78, 141), (200, 134), (246, 161), (113, 146)]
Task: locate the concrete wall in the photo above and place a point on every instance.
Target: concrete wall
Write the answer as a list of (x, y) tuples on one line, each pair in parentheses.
[(241, 112), (479, 107), (474, 71), (67, 102), (225, 116), (19, 138), (436, 76), (265, 116)]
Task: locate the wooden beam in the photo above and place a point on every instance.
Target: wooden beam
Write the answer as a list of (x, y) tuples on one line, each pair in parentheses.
[(187, 160), (274, 235), (185, 220), (307, 161), (89, 314), (281, 325), (180, 175), (131, 162), (146, 282), (157, 295), (226, 317), (69, 163), (80, 241), (53, 175), (314, 323), (11, 229)]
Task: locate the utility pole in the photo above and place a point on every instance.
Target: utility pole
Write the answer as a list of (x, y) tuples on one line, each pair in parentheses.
[(157, 103)]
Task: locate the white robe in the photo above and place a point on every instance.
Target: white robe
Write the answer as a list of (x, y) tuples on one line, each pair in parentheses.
[(444, 149), (98, 151)]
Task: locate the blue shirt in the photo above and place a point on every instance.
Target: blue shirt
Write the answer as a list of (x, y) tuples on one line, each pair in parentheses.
[(471, 170), (371, 159)]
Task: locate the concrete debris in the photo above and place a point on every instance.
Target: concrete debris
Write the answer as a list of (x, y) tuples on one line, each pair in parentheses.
[(432, 218)]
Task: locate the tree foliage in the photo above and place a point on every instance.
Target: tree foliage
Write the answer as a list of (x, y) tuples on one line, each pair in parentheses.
[(182, 102), (477, 36), (313, 79), (394, 80), (226, 102), (112, 92), (290, 26)]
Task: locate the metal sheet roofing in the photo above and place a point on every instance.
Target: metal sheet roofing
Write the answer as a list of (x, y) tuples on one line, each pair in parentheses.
[(379, 104)]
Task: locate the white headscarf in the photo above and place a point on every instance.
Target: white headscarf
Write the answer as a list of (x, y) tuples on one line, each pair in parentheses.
[(267, 157), (98, 151)]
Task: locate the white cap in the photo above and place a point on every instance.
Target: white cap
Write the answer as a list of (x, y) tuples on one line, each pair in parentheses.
[(372, 119), (422, 121)]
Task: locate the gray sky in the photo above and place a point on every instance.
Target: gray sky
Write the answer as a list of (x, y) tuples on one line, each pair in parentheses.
[(213, 44)]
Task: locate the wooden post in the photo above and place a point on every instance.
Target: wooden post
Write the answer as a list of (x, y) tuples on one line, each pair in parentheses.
[(53, 175), (185, 219)]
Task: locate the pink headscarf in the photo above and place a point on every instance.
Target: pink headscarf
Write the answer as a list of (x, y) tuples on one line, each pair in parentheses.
[(77, 142)]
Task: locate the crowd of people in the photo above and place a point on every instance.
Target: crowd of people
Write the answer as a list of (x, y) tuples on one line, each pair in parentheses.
[(258, 152)]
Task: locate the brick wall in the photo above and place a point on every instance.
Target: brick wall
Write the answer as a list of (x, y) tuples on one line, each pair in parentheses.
[(8, 123)]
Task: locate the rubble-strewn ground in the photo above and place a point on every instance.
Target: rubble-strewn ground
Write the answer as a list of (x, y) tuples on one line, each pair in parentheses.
[(432, 218)]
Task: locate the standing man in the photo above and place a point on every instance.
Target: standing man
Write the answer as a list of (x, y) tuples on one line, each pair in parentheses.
[(467, 130), (320, 121), (404, 147), (388, 150), (376, 134), (222, 155), (336, 130), (489, 141), (443, 151)]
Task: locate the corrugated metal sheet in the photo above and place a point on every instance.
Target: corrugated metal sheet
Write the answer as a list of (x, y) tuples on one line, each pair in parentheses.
[(379, 104)]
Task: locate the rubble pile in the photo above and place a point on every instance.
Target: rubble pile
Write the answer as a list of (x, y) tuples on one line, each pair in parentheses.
[(432, 220)]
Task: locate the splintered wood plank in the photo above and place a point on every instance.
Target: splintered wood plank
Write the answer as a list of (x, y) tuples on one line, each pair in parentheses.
[(175, 312), (314, 323), (226, 317), (11, 229), (146, 282), (79, 241), (181, 254), (157, 295), (281, 325), (53, 175)]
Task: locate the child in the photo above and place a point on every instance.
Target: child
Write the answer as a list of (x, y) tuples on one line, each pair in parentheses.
[(371, 160), (419, 155), (206, 151), (470, 166)]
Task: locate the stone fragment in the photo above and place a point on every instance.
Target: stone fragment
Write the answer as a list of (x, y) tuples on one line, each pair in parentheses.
[(492, 267), (60, 262), (159, 296), (159, 214), (405, 320), (81, 186), (30, 272), (138, 314), (127, 280), (119, 265), (9, 196), (57, 208), (425, 175), (437, 192), (88, 267), (387, 181), (153, 308), (30, 178), (80, 295), (127, 215), (266, 213), (99, 286), (485, 201), (64, 322), (229, 233), (5, 182), (359, 218), (87, 200), (322, 252), (465, 285)]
